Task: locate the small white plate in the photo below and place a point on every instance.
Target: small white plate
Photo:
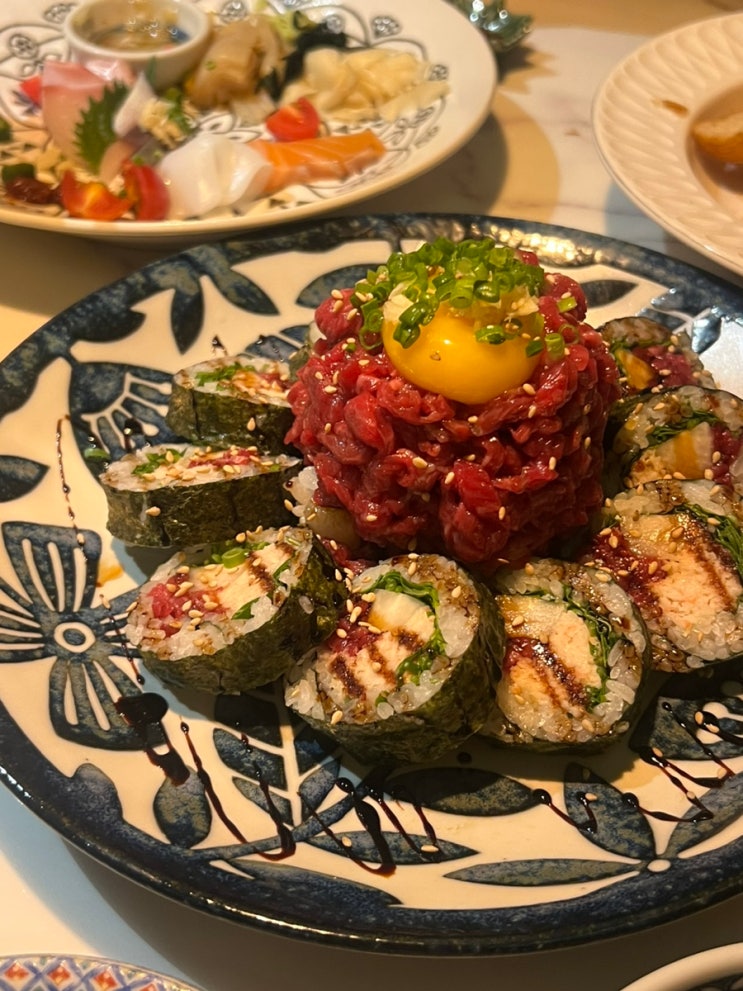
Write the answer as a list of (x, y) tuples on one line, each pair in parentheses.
[(642, 115), (31, 31), (54, 972), (719, 969)]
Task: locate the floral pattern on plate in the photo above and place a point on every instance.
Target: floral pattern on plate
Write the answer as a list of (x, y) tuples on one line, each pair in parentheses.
[(231, 805)]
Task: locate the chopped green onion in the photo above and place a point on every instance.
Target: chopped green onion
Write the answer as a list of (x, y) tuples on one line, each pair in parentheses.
[(566, 304), (555, 343), (534, 347), (6, 131), (233, 557), (459, 274)]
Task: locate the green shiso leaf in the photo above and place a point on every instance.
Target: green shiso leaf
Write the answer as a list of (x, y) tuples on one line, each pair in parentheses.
[(664, 431), (94, 132), (421, 659), (727, 534)]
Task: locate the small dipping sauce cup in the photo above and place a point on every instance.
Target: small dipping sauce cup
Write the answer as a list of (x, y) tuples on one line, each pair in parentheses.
[(162, 38)]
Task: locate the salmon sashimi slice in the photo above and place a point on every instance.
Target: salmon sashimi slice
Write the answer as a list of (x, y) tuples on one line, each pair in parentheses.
[(336, 156)]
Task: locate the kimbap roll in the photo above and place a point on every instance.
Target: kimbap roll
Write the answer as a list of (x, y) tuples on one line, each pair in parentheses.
[(652, 358), (576, 653), (690, 432), (180, 495), (410, 670), (676, 547), (237, 399), (228, 617)]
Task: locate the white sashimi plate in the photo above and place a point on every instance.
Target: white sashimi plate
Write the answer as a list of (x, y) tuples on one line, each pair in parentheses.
[(642, 116), (230, 804), (31, 31)]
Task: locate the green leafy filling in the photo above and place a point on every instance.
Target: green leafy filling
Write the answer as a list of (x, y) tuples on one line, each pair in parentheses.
[(665, 431), (421, 659), (727, 533), (222, 374), (156, 459)]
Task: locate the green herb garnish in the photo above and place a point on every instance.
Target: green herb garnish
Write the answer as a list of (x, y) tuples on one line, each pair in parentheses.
[(458, 274), (223, 373), (94, 132), (156, 459)]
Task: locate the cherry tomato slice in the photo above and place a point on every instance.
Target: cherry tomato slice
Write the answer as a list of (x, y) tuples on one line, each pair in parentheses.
[(31, 88), (91, 200), (294, 122), (147, 191)]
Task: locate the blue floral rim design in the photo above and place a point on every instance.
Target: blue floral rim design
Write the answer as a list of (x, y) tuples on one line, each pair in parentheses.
[(617, 876)]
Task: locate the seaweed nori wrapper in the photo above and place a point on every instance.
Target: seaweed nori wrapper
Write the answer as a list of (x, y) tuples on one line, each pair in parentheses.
[(180, 515), (304, 619), (224, 416), (456, 711)]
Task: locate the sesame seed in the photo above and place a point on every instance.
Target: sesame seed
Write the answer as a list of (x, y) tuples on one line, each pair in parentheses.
[(251, 424), (517, 621), (412, 567), (329, 389), (371, 517), (529, 389), (456, 592), (552, 463), (340, 632), (502, 513), (288, 504), (652, 567), (153, 511), (449, 478), (336, 717), (532, 412), (420, 462), (336, 294), (471, 419)]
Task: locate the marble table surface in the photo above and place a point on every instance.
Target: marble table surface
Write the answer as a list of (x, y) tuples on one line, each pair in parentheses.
[(534, 159)]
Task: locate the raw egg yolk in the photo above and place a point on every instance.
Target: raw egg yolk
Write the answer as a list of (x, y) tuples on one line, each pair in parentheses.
[(447, 358)]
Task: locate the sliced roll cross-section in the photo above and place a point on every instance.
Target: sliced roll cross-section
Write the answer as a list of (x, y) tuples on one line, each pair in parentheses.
[(410, 670), (576, 653), (232, 616), (676, 547)]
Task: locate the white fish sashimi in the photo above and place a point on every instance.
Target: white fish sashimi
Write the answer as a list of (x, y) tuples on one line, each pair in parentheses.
[(67, 90), (211, 171)]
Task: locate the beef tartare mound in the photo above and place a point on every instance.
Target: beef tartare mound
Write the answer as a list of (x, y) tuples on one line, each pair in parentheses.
[(455, 402)]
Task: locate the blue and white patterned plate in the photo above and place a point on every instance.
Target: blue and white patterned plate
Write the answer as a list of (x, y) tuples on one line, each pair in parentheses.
[(416, 141), (486, 851), (72, 973)]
